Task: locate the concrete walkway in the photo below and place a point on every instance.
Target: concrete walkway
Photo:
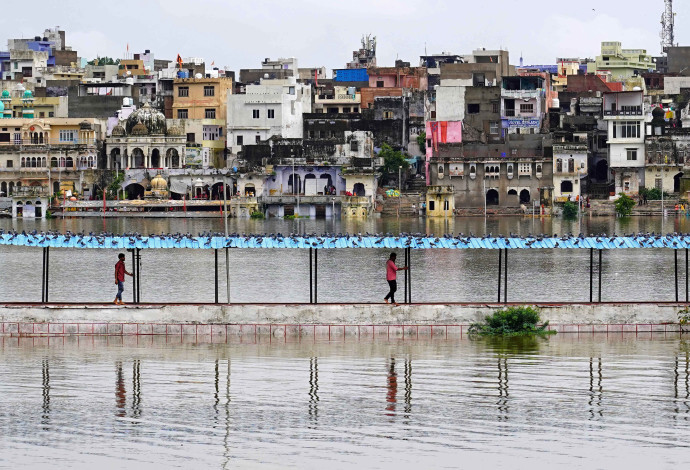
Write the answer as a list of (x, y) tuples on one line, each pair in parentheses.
[(28, 319)]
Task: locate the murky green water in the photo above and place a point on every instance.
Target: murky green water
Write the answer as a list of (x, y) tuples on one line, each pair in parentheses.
[(564, 402)]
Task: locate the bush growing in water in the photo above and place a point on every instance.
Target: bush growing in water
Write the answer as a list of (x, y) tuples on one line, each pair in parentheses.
[(512, 321), (569, 210), (257, 215), (624, 205)]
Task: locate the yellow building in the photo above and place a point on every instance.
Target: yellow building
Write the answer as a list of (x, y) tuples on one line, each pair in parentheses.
[(622, 63), (132, 67), (440, 201), (49, 153), (203, 103)]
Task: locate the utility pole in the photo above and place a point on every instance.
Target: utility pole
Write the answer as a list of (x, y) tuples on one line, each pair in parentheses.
[(227, 250)]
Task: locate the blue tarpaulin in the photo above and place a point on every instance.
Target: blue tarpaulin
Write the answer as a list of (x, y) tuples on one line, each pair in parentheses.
[(330, 242)]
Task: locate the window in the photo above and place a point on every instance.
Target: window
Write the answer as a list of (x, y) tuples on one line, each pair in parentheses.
[(388, 115), (478, 79), (210, 113), (255, 113), (182, 114), (524, 169), (526, 108), (41, 114), (432, 205), (379, 84), (355, 109), (446, 205), (473, 108), (68, 136), (209, 91), (493, 127), (291, 90), (631, 154), (183, 91), (496, 107), (239, 140), (51, 114), (510, 170), (629, 129), (257, 139), (10, 163), (142, 90), (346, 109), (271, 114), (191, 137), (354, 146)]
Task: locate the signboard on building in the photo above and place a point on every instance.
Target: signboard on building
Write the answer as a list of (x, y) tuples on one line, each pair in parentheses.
[(533, 123), (193, 157)]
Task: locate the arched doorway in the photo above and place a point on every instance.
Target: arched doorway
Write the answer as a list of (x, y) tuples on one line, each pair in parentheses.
[(115, 161), (10, 188), (249, 190), (172, 159), (325, 184), (566, 187), (217, 191), (155, 158), (492, 197), (3, 189), (56, 187), (601, 172), (358, 190), (138, 156), (134, 191), (310, 184), (295, 188), (676, 182), (525, 196)]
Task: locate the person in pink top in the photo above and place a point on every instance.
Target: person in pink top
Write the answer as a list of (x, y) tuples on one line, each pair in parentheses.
[(391, 276)]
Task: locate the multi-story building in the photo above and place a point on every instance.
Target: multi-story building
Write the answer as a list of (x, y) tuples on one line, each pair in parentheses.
[(569, 170), (625, 120), (203, 103), (338, 99), (522, 104), (621, 63), (271, 108), (391, 81), (54, 153)]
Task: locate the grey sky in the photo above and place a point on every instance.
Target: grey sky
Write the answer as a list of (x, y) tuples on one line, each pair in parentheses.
[(241, 34)]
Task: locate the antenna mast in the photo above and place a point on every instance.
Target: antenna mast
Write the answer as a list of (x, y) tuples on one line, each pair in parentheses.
[(667, 20)]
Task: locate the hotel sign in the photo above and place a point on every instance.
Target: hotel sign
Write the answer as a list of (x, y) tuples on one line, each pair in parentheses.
[(521, 123)]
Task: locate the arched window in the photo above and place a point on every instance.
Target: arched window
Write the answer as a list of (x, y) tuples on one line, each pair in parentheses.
[(524, 196), (566, 186), (62, 162), (40, 138), (43, 162), (53, 162), (23, 162), (69, 162)]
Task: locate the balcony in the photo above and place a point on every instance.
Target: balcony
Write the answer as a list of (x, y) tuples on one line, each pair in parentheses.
[(50, 144), (521, 94), (291, 199), (662, 160), (627, 112)]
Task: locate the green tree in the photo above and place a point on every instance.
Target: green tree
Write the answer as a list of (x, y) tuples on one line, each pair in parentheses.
[(624, 205), (421, 141), (104, 61), (392, 160)]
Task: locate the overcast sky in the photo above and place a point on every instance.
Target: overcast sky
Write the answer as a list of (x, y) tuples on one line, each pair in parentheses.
[(241, 34)]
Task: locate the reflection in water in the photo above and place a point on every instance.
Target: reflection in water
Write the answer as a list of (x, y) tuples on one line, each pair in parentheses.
[(595, 391), (682, 393), (502, 388), (408, 387), (120, 392), (136, 389), (45, 417), (531, 414), (314, 390), (392, 388)]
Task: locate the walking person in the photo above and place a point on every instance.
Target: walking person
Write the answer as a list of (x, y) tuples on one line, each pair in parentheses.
[(120, 272), (391, 277)]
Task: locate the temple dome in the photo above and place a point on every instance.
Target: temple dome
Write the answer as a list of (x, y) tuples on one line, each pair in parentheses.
[(5, 93), (28, 94), (118, 131), (158, 183), (152, 119), (2, 106), (139, 129)]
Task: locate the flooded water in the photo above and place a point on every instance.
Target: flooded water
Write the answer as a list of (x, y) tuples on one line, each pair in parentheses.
[(563, 402), (347, 275)]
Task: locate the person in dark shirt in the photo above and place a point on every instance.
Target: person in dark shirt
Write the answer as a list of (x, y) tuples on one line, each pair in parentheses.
[(120, 272)]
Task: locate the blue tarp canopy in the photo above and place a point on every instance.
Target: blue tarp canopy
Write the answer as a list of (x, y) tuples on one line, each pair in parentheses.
[(329, 242)]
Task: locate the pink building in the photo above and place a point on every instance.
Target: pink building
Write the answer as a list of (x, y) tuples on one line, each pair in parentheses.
[(440, 132)]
